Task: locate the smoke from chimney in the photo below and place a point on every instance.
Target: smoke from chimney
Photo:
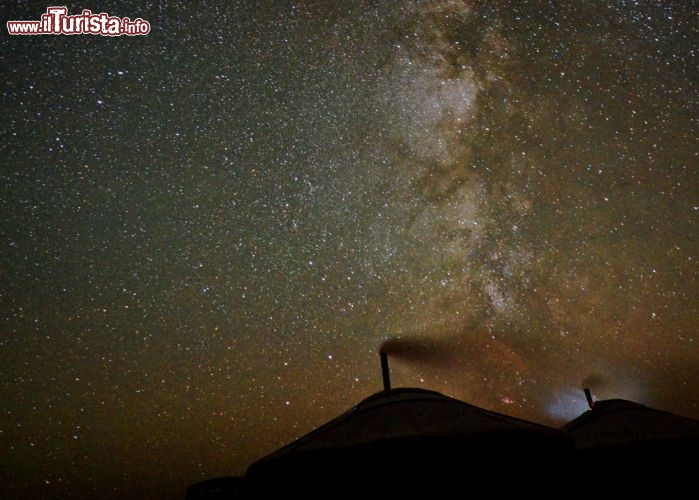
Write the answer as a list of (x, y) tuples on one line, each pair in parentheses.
[(422, 350)]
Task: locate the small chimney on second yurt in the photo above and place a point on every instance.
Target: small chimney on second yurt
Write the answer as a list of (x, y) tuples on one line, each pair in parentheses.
[(588, 396)]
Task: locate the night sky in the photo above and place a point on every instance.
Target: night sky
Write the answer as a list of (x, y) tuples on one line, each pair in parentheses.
[(208, 232)]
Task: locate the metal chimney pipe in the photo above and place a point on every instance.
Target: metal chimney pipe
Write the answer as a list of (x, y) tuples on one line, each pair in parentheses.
[(588, 396), (385, 372)]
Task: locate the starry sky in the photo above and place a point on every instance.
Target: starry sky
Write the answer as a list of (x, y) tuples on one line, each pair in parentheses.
[(209, 232)]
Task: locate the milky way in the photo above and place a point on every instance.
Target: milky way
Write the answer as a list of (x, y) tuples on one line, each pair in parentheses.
[(210, 231)]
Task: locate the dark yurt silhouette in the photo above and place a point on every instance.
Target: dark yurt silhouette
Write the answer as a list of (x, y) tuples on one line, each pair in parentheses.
[(627, 449), (415, 443)]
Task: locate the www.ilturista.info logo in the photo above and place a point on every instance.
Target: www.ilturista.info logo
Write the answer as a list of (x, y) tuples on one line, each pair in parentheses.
[(56, 21)]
